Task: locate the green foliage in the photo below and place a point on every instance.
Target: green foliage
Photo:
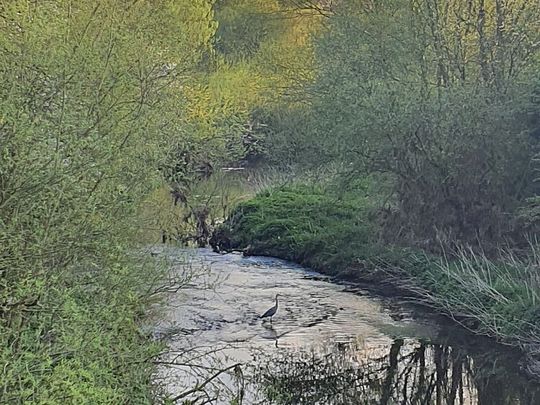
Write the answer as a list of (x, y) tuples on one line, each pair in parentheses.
[(240, 109), (214, 198), (245, 26), (409, 88), (304, 225), (90, 92), (263, 57), (101, 102)]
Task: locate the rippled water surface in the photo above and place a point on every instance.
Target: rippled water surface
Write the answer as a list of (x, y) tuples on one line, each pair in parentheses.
[(328, 343)]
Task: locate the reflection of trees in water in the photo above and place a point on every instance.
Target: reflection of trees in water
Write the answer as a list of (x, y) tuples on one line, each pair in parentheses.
[(405, 373)]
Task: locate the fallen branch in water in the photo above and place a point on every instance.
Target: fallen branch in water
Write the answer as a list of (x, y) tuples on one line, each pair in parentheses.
[(200, 387)]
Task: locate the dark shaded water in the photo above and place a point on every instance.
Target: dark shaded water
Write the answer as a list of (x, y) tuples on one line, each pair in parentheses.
[(329, 343)]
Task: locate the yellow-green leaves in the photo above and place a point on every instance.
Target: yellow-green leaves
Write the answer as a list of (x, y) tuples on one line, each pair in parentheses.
[(90, 91)]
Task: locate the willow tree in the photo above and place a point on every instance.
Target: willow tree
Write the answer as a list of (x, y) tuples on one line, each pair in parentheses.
[(90, 93), (264, 54)]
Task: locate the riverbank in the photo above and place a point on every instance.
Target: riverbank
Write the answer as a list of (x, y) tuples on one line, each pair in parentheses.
[(339, 237)]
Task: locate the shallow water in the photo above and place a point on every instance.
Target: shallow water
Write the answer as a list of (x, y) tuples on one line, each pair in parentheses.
[(329, 343)]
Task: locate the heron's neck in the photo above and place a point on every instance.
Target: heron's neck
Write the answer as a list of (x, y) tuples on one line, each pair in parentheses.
[(276, 302)]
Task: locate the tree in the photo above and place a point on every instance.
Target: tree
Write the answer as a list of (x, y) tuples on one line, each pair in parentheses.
[(90, 94), (432, 93)]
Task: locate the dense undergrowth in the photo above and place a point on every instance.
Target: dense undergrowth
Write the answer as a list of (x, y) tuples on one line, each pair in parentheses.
[(81, 342), (340, 236)]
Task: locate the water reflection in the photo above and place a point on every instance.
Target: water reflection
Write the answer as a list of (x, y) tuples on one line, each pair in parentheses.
[(406, 372), (327, 344)]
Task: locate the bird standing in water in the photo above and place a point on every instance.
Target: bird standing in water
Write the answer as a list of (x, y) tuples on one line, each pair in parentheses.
[(272, 311)]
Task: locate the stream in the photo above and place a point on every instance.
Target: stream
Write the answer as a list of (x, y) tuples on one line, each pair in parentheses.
[(329, 342)]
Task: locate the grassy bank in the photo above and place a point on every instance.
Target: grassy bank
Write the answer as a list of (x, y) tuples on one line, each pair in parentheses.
[(339, 236)]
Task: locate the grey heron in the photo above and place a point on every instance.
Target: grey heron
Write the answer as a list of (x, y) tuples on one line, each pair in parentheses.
[(272, 311)]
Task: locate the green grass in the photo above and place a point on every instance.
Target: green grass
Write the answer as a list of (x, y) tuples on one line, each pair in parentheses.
[(339, 236), (304, 225)]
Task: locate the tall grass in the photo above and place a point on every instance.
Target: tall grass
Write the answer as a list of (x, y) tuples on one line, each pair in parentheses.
[(502, 295)]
